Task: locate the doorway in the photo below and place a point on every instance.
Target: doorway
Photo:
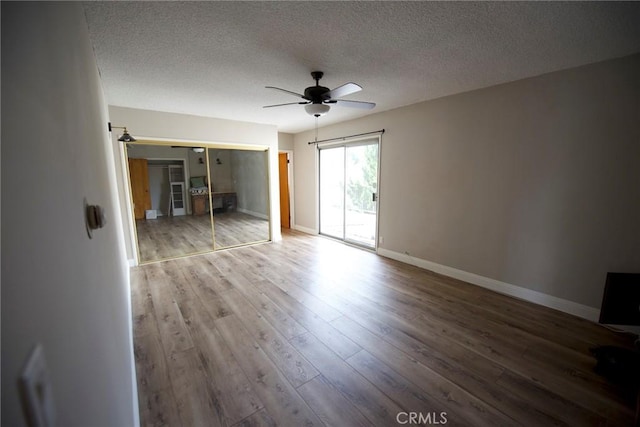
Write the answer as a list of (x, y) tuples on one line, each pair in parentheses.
[(349, 192), (285, 198)]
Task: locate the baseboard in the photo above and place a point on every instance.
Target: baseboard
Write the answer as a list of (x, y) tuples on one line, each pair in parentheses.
[(566, 306), (304, 229), (256, 214)]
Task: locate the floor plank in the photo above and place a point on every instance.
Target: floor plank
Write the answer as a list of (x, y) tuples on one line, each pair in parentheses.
[(158, 408), (280, 398), (197, 404), (327, 401), (446, 393), (151, 364), (258, 419), (227, 381), (288, 360), (173, 331), (406, 394), (374, 405)]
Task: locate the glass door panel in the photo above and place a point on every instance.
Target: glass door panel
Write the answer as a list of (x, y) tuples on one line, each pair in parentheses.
[(239, 196), (170, 226), (349, 191), (361, 174), (332, 192)]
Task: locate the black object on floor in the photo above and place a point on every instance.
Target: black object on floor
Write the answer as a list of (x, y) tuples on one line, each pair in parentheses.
[(617, 364)]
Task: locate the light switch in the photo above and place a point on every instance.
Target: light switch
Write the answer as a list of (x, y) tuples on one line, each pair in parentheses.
[(36, 391)]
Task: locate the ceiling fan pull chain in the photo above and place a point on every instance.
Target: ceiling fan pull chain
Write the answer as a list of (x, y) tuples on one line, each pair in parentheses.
[(316, 128)]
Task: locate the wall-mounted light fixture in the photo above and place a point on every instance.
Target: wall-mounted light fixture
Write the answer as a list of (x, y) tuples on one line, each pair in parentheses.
[(126, 137)]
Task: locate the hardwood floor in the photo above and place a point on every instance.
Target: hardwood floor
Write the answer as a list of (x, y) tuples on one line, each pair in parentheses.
[(170, 237), (308, 331)]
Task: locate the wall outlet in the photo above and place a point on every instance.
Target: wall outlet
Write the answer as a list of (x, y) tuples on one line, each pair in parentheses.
[(36, 392), (381, 240)]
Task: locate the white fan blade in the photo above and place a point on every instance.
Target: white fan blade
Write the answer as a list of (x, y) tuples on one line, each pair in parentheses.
[(344, 90), (288, 103), (286, 91), (356, 104)]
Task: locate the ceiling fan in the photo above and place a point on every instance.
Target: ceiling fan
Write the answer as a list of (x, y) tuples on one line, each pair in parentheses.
[(317, 98)]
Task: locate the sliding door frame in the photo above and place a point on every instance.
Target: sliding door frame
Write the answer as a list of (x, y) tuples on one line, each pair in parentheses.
[(346, 143)]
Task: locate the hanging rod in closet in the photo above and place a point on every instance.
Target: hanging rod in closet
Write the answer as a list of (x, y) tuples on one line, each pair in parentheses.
[(342, 138)]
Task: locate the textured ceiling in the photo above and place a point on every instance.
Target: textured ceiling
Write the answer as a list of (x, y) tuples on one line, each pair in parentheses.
[(215, 58)]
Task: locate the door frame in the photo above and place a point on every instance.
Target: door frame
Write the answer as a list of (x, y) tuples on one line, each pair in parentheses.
[(292, 213), (345, 143)]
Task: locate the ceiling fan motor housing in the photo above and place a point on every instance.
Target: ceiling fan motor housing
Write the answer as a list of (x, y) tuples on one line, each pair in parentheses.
[(317, 94)]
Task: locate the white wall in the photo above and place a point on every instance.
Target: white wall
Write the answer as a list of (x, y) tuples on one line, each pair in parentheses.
[(155, 125), (60, 288), (532, 183)]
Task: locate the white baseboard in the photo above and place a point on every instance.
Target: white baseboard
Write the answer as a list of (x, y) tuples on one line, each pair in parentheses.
[(580, 310), (304, 229), (256, 214)]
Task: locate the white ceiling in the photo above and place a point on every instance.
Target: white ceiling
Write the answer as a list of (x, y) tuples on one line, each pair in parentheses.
[(215, 58)]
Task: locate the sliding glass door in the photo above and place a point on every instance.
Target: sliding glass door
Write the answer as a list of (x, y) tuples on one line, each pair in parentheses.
[(348, 192), (332, 192)]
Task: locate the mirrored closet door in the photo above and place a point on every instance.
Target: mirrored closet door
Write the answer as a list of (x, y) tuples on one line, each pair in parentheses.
[(240, 196), (186, 198), (166, 224)]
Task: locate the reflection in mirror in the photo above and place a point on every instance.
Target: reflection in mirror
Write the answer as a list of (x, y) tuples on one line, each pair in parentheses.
[(171, 218), (240, 196)]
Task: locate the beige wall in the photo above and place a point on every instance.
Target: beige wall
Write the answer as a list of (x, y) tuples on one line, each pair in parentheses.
[(221, 178), (195, 167), (60, 288), (285, 141), (155, 125), (533, 183)]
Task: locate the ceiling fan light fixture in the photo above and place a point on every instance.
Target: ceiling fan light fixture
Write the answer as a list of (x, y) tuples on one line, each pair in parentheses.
[(317, 109)]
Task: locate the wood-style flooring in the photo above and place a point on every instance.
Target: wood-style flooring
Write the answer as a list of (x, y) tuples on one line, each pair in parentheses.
[(309, 331), (175, 236)]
